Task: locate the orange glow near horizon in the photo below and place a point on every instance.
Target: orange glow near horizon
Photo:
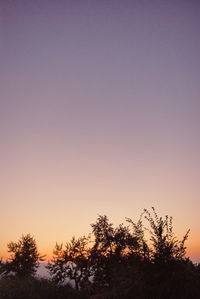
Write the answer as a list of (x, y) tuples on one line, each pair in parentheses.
[(193, 249), (99, 114), (46, 247)]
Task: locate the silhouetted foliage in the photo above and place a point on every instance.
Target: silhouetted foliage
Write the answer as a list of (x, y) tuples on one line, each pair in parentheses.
[(141, 260), (24, 259), (111, 248), (165, 246), (142, 249), (71, 263)]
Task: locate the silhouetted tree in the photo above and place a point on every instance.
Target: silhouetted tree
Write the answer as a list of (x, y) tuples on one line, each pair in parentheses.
[(166, 273), (101, 251), (142, 260), (24, 259), (149, 257), (111, 248), (72, 262), (165, 246)]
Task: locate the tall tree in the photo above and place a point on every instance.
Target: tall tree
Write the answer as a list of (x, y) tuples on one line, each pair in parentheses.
[(111, 248), (165, 246), (24, 259)]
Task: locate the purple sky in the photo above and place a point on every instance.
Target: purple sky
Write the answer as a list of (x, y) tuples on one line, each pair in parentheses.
[(99, 113)]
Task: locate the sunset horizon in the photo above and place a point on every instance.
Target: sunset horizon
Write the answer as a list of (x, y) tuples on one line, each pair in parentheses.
[(100, 115)]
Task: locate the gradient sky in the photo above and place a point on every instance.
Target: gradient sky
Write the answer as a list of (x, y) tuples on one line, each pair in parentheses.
[(99, 114)]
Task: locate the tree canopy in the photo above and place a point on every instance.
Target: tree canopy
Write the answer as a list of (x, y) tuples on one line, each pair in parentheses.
[(24, 259), (142, 259)]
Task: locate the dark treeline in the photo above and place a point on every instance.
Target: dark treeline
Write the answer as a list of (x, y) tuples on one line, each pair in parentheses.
[(142, 259)]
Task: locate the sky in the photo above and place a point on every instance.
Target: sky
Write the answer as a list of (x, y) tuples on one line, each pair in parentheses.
[(99, 114)]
